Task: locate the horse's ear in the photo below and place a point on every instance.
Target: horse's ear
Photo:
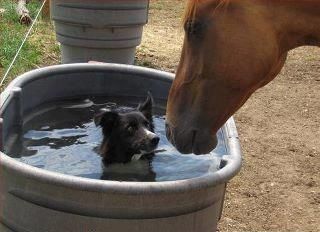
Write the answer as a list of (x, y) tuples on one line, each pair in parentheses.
[(106, 119), (146, 107)]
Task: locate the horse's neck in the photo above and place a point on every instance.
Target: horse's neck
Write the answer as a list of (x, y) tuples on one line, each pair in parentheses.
[(298, 22)]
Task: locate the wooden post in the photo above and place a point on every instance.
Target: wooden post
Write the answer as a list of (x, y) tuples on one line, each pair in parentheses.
[(46, 11)]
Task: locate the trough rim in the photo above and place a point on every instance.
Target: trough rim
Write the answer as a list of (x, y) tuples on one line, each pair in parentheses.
[(232, 161)]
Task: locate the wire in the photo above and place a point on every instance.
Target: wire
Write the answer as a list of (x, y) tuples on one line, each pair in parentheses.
[(23, 42)]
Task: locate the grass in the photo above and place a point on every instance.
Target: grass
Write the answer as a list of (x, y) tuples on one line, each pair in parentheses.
[(12, 34)]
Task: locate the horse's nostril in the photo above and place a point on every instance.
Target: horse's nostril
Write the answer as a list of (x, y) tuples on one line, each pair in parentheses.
[(155, 141)]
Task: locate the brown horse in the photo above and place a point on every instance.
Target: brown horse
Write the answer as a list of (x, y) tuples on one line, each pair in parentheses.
[(231, 49)]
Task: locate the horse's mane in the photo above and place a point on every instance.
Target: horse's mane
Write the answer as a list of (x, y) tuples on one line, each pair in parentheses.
[(192, 6)]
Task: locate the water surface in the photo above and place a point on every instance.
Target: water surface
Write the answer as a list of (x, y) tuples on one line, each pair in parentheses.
[(63, 138)]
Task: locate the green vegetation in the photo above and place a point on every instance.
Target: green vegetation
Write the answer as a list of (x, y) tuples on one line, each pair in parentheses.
[(11, 36)]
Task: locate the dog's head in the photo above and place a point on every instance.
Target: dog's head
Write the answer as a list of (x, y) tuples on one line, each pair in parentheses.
[(127, 134)]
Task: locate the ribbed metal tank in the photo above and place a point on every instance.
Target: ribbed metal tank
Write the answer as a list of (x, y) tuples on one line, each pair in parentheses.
[(100, 30), (36, 200)]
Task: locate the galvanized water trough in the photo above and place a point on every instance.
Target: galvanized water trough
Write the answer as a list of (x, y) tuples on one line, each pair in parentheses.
[(36, 200)]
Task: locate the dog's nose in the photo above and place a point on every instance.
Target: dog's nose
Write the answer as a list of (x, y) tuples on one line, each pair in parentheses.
[(155, 140)]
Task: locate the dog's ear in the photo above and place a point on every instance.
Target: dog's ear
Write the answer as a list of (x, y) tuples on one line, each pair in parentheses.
[(106, 119), (98, 116), (146, 107)]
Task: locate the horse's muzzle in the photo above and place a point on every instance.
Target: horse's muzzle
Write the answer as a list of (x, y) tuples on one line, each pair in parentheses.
[(188, 140)]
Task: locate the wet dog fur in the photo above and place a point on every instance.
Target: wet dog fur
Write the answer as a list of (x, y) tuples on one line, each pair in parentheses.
[(127, 132)]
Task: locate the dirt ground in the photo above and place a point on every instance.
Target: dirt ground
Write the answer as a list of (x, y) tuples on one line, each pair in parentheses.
[(278, 188)]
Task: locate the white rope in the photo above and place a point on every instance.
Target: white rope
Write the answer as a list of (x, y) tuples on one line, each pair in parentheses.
[(23, 42)]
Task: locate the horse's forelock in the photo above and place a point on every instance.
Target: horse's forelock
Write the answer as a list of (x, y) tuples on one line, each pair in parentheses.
[(191, 10), (192, 5)]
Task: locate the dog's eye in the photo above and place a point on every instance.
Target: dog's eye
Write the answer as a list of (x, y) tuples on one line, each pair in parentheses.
[(146, 123), (130, 129)]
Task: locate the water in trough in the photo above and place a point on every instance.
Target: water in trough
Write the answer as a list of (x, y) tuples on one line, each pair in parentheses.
[(63, 138)]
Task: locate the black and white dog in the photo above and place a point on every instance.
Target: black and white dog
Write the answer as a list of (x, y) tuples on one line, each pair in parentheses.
[(127, 132)]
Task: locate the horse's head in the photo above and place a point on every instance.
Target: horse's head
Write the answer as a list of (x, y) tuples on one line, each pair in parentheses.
[(230, 50)]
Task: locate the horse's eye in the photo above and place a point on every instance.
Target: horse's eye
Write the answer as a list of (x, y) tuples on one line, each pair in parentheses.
[(194, 28)]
